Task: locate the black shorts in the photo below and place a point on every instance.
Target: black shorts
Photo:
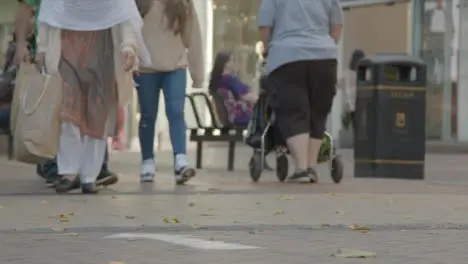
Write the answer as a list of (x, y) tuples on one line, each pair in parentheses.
[(302, 96)]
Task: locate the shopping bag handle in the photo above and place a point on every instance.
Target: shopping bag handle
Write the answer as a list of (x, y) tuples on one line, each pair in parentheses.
[(41, 96)]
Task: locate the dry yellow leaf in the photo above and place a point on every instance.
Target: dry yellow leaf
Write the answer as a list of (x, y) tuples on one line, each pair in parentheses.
[(58, 229), (171, 220), (44, 202), (117, 262), (68, 234), (359, 228), (64, 219), (71, 214), (287, 197), (279, 212)]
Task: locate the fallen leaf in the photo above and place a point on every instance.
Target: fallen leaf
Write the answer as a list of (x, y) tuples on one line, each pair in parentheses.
[(68, 234), (294, 219), (58, 229), (251, 232), (287, 197), (359, 228), (258, 203), (171, 220), (117, 262), (191, 204), (195, 226), (115, 197), (71, 214), (64, 219), (129, 217), (354, 253), (332, 194), (279, 212), (339, 212), (326, 225), (44, 202)]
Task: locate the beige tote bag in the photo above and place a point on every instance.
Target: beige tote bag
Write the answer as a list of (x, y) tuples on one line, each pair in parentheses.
[(37, 123)]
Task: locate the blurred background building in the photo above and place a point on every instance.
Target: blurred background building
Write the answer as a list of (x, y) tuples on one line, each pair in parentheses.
[(434, 30)]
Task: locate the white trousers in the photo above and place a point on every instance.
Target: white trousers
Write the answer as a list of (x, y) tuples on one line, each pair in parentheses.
[(78, 154)]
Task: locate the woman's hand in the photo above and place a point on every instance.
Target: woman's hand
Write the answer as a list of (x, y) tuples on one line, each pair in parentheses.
[(40, 62), (129, 59)]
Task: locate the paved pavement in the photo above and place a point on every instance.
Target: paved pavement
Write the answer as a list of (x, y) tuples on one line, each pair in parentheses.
[(221, 217)]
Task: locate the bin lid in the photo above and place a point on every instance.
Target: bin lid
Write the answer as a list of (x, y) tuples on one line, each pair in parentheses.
[(392, 58)]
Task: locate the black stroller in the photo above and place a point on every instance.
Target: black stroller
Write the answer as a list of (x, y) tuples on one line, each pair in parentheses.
[(264, 137)]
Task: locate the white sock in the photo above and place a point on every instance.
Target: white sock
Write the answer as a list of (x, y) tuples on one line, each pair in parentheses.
[(180, 161)]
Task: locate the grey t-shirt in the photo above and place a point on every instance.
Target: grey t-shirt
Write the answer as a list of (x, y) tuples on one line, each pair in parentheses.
[(300, 30)]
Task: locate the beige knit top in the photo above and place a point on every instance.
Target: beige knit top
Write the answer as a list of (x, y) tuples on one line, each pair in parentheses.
[(170, 51)]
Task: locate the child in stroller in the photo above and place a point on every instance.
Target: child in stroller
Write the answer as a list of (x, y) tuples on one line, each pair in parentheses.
[(264, 137)]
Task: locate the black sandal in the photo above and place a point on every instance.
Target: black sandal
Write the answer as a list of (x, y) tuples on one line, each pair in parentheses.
[(65, 185), (89, 188), (298, 175)]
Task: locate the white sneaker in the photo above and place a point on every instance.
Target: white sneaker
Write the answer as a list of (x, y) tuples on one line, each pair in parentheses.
[(183, 172), (147, 171)]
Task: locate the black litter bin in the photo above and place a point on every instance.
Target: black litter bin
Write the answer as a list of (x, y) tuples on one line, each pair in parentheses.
[(390, 117)]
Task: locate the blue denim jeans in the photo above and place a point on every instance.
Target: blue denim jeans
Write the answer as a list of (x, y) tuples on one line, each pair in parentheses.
[(173, 85)]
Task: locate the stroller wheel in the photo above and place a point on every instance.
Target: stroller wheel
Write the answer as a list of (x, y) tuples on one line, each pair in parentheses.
[(255, 166), (337, 169), (282, 167)]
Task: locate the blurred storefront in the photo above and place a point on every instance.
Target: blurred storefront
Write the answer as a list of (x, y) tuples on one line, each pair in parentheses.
[(436, 41)]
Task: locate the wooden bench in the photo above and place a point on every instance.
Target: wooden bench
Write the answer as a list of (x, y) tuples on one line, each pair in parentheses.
[(210, 129)]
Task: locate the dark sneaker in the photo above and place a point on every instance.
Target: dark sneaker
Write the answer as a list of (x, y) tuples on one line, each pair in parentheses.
[(298, 175), (52, 182), (65, 185), (313, 175), (106, 178), (184, 174), (89, 188)]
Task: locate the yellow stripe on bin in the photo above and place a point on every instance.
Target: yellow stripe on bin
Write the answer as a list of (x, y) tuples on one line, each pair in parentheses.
[(393, 88), (391, 162)]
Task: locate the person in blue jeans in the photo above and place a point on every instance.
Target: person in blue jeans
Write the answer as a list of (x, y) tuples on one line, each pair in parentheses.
[(172, 35)]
